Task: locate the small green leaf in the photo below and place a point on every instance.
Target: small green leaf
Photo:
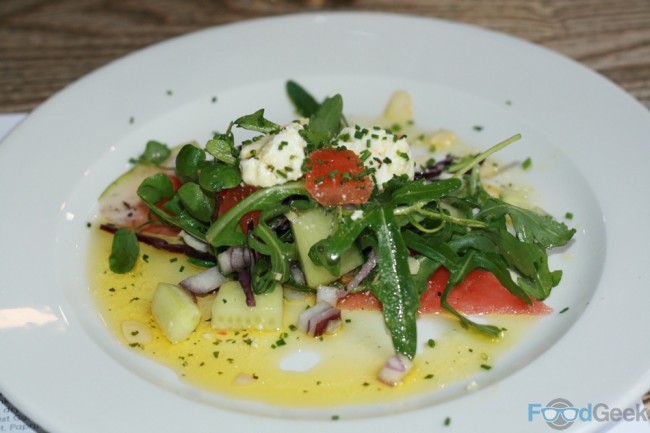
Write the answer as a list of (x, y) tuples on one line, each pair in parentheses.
[(156, 188), (257, 122), (325, 124), (196, 202), (125, 251), (304, 103), (188, 160), (216, 177), (155, 152), (222, 148)]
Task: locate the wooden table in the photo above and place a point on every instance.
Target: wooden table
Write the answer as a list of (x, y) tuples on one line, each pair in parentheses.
[(46, 44)]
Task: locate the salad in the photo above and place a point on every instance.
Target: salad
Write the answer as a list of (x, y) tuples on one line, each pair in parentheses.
[(324, 207)]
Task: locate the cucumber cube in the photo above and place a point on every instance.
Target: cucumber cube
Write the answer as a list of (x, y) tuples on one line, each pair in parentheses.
[(310, 227), (175, 312), (229, 310)]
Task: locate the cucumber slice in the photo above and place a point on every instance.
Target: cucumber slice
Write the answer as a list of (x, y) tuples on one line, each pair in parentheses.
[(229, 310), (310, 227), (120, 204), (175, 312)]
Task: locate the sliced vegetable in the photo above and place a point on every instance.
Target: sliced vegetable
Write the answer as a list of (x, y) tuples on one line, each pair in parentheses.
[(175, 312), (204, 282), (394, 369), (320, 318), (229, 310), (309, 227)]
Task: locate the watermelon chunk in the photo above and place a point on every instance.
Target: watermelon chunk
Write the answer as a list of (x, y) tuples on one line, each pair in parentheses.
[(480, 293)]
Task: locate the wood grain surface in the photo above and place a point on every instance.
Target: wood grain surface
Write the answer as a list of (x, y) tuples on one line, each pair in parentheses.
[(47, 44)]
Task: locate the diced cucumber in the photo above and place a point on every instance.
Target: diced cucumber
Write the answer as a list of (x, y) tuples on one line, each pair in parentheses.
[(229, 310), (310, 227), (175, 312), (204, 303)]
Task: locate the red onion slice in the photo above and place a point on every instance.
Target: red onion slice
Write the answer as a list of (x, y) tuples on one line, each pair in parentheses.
[(204, 282), (364, 271), (394, 369), (234, 259), (318, 319)]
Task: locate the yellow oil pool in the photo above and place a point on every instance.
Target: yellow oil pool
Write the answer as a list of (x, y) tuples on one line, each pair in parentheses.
[(286, 367)]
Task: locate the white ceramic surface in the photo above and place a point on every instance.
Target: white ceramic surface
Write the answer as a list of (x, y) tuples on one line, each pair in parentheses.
[(586, 137)]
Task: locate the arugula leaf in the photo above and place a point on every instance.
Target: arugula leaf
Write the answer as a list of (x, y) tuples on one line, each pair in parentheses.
[(426, 268), (395, 288), (421, 191), (455, 278), (225, 231), (433, 248), (328, 252), (125, 251), (304, 103), (265, 241), (529, 225), (257, 122)]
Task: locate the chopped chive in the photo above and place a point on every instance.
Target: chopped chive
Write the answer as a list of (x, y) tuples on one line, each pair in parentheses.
[(527, 163), (564, 310), (568, 215), (431, 343)]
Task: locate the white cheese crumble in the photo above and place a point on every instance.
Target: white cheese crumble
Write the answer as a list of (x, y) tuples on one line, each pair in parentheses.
[(357, 214), (274, 159), (387, 153)]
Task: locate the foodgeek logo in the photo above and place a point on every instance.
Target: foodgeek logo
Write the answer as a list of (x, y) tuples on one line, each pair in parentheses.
[(560, 413)]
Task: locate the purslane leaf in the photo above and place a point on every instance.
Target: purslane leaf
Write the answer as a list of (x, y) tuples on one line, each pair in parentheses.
[(257, 122), (125, 251), (196, 202), (188, 160)]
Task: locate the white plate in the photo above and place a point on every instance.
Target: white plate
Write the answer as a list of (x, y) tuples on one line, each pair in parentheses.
[(587, 140)]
